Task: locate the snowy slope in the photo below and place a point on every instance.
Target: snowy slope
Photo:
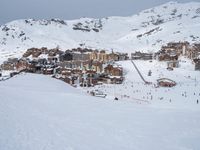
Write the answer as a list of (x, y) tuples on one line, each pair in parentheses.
[(44, 113), (145, 31), (184, 95)]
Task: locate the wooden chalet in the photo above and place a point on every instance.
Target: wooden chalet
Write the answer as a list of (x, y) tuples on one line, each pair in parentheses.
[(22, 64), (10, 64), (94, 55), (116, 79), (103, 56), (113, 70), (113, 56), (69, 79), (163, 56), (97, 66), (180, 48), (141, 56), (7, 66), (48, 71)]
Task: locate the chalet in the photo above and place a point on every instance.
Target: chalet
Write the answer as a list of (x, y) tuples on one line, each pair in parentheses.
[(66, 56), (103, 78), (77, 65), (54, 52), (197, 63), (67, 76), (33, 66), (80, 56), (48, 71), (164, 82), (36, 53), (42, 61), (113, 56), (8, 66), (53, 55), (103, 57), (113, 70), (123, 56), (88, 78), (163, 56), (22, 64), (58, 70), (141, 56), (97, 66), (66, 72), (116, 79), (69, 79), (94, 55), (71, 64), (13, 60), (92, 77), (52, 59), (65, 64), (27, 53), (173, 64), (194, 51), (76, 71), (181, 48), (87, 65)]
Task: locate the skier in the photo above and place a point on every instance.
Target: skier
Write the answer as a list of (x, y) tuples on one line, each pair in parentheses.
[(197, 101)]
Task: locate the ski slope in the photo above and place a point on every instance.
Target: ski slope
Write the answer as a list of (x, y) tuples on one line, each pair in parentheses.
[(38, 112), (184, 95)]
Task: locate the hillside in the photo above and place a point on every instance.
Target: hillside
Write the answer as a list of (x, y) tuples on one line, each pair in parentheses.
[(145, 31)]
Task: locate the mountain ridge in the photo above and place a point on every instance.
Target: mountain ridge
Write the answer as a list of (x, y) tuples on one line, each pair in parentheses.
[(145, 31)]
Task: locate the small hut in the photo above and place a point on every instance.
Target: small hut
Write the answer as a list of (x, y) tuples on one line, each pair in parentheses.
[(165, 82)]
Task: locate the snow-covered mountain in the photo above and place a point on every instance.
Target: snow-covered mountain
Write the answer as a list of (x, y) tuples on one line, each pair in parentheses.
[(145, 31)]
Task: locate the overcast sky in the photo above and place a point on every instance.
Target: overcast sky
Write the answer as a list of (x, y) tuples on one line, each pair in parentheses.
[(72, 9)]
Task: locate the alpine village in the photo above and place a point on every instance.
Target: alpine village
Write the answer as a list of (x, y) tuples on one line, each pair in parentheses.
[(86, 67)]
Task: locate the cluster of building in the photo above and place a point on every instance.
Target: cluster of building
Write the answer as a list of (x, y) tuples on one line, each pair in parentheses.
[(84, 67), (171, 53), (87, 67)]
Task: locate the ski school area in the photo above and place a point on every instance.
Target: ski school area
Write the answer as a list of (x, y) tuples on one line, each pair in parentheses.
[(181, 85)]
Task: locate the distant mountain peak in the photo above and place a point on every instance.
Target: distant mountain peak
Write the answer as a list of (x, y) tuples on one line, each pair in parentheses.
[(147, 31)]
